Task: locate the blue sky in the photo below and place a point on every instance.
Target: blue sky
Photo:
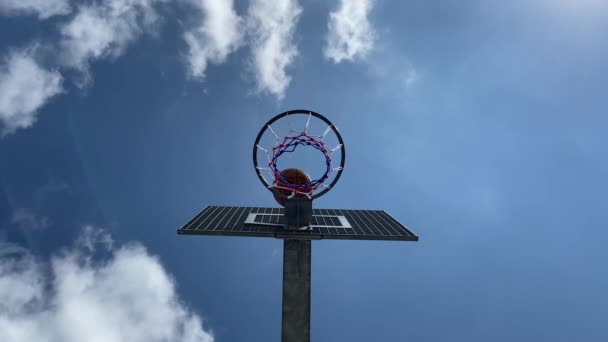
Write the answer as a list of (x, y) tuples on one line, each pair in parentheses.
[(478, 124)]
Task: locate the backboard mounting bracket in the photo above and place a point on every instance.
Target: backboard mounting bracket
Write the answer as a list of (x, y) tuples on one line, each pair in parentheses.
[(298, 213)]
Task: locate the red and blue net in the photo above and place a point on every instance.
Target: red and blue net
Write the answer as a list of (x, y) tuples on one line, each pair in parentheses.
[(289, 145)]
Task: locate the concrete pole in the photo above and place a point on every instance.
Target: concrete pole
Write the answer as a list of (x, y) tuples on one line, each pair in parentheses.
[(296, 291)]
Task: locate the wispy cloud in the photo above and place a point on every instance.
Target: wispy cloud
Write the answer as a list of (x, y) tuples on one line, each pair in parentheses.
[(350, 34), (126, 297), (272, 25), (218, 33), (391, 70), (27, 220), (105, 30), (25, 86), (42, 8), (52, 186), (97, 30)]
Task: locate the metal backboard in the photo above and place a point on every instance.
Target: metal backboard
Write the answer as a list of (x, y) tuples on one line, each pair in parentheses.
[(343, 224)]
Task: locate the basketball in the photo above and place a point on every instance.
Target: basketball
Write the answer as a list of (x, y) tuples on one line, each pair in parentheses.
[(293, 176)]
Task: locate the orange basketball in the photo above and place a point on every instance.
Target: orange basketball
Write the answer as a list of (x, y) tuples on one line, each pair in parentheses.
[(293, 176)]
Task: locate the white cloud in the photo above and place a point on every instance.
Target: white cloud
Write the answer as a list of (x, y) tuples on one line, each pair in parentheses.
[(272, 25), (24, 87), (350, 33), (127, 297), (43, 8), (105, 30), (218, 34)]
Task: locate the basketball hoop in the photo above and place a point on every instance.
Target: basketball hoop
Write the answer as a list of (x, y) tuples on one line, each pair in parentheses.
[(277, 181)]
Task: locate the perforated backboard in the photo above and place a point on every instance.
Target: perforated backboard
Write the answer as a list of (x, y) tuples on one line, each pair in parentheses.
[(343, 224)]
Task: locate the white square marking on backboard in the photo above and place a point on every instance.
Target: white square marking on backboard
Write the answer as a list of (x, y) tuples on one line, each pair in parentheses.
[(343, 221)]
